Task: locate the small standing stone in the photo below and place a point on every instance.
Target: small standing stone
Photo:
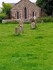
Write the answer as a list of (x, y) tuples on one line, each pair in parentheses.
[(33, 24), (21, 29), (16, 31)]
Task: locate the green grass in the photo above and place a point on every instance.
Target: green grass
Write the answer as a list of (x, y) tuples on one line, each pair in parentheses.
[(32, 50)]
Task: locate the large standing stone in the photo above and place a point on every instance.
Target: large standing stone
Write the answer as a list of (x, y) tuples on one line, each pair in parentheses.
[(21, 26)]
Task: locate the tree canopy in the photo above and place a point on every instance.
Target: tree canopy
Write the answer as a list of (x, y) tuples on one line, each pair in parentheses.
[(6, 8), (46, 6)]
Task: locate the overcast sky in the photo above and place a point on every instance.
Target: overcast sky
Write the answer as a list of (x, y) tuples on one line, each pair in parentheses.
[(12, 1)]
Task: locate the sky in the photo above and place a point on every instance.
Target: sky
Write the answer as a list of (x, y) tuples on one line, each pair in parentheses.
[(12, 1)]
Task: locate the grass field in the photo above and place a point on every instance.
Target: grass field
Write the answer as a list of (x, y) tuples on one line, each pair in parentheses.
[(33, 50)]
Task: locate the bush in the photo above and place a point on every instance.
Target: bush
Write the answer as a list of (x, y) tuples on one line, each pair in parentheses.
[(45, 19), (2, 16)]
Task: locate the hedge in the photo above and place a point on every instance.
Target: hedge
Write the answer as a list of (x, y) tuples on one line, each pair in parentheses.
[(45, 19)]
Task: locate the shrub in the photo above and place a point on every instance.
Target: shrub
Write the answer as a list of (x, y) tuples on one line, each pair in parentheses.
[(45, 19), (2, 16)]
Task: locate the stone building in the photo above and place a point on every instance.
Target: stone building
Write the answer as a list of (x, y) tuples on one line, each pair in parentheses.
[(25, 10)]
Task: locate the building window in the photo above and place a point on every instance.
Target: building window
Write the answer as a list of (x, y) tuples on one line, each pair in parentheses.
[(33, 14), (17, 15), (25, 11)]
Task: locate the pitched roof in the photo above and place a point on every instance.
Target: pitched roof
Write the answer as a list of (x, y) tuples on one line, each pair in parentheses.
[(12, 4)]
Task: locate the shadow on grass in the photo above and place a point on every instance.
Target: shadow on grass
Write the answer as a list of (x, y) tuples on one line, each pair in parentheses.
[(49, 51), (3, 67), (13, 35), (39, 37), (27, 55)]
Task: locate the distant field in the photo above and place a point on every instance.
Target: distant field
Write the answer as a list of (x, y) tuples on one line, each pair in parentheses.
[(33, 50)]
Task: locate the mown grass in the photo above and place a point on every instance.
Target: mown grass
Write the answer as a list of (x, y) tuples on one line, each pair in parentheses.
[(32, 50)]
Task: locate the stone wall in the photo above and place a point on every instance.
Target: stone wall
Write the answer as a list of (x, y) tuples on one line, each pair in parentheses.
[(9, 20), (19, 7)]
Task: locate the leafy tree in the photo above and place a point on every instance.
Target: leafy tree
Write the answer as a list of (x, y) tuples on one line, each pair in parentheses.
[(2, 16), (6, 8), (46, 6)]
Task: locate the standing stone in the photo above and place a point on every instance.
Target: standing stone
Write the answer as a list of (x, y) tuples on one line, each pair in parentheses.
[(33, 24), (21, 26), (21, 22), (16, 31)]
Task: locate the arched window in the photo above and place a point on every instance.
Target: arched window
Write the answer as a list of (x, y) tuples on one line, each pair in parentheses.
[(17, 15), (33, 14), (25, 13)]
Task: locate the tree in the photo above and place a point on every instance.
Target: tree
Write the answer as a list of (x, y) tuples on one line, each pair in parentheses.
[(46, 6), (6, 8), (2, 16)]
